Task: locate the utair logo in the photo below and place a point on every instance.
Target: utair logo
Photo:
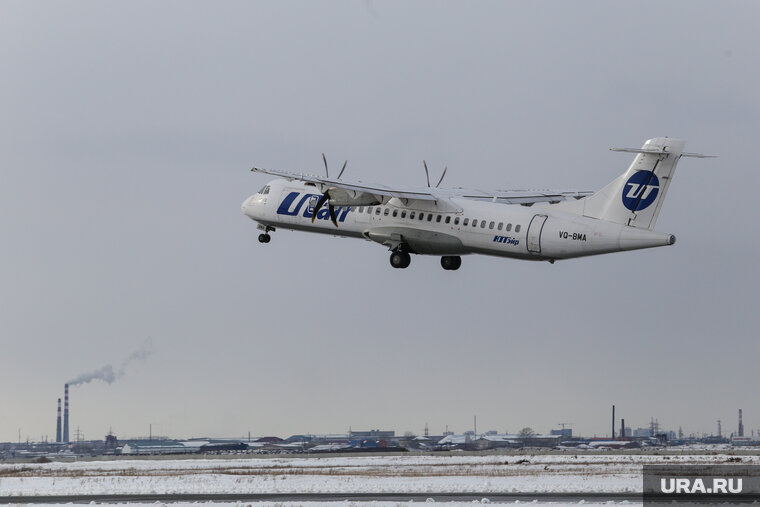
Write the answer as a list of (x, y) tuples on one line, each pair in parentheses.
[(293, 202), (641, 190), (507, 240)]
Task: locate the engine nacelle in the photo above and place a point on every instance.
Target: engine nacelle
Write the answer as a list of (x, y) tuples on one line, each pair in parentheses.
[(343, 197)]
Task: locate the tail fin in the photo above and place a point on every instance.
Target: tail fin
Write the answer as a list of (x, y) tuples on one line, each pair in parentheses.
[(635, 197)]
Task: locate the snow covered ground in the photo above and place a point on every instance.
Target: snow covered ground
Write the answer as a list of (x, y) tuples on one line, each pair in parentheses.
[(485, 500), (525, 473)]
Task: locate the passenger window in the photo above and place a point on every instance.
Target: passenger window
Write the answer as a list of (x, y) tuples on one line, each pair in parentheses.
[(403, 214), (448, 220), (387, 210), (456, 221), (438, 219), (430, 217), (490, 226), (517, 228), (369, 210), (411, 215), (395, 212), (422, 215), (377, 211), (500, 226), (509, 227), (482, 224), (466, 221), (361, 209), (474, 223)]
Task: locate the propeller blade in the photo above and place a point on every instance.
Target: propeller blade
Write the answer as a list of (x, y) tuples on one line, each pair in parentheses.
[(442, 175), (427, 174), (344, 168), (327, 172), (320, 202), (333, 216)]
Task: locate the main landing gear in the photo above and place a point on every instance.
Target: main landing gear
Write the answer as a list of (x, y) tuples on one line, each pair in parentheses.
[(400, 259), (451, 262)]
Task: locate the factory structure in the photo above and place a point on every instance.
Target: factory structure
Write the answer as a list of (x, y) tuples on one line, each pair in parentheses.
[(371, 441), (63, 437)]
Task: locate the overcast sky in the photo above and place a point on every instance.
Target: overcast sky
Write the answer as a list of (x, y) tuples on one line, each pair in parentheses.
[(127, 131)]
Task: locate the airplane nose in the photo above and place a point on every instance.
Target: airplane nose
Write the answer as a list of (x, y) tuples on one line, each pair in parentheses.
[(246, 204)]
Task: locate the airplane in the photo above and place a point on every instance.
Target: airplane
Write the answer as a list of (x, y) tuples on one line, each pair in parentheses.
[(529, 225)]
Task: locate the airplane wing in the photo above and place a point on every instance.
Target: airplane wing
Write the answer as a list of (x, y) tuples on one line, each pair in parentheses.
[(356, 192), (524, 197), (359, 193)]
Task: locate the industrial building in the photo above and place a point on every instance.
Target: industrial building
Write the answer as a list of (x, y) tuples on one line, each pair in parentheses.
[(373, 440)]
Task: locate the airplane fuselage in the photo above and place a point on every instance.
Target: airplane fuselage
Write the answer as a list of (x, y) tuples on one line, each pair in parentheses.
[(539, 232)]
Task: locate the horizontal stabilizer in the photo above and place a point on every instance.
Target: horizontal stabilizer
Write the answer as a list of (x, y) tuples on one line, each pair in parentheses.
[(654, 151), (698, 155), (648, 151)]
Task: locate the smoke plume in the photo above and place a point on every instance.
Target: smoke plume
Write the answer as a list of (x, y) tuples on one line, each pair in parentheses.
[(108, 374)]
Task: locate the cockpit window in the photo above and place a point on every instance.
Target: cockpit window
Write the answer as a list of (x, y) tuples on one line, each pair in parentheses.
[(264, 190)]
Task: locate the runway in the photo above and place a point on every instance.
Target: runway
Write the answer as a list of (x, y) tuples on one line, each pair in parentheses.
[(328, 497)]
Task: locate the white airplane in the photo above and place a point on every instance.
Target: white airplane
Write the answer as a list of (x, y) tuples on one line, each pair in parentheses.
[(530, 225)]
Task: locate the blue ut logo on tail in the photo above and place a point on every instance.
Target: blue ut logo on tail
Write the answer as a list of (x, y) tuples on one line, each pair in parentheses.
[(641, 190)]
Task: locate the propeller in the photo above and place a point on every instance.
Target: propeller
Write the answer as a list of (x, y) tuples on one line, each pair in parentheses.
[(327, 172), (442, 175), (344, 168), (326, 195), (427, 175), (320, 203)]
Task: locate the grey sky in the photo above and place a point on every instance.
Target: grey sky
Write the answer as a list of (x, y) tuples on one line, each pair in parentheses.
[(127, 132)]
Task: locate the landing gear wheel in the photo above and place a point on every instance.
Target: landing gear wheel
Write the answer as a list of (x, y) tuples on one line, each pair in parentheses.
[(264, 238), (451, 262), (400, 260)]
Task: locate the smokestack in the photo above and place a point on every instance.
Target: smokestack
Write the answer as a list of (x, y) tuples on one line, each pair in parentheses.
[(66, 414), (741, 424), (613, 422), (622, 428), (58, 423)]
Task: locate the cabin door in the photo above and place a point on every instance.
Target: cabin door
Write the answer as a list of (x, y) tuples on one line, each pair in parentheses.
[(534, 233)]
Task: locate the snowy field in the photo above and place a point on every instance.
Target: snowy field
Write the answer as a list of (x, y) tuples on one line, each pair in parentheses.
[(485, 500), (508, 473)]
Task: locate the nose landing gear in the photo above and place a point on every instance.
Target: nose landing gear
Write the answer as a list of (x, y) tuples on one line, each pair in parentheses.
[(451, 262), (265, 237)]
